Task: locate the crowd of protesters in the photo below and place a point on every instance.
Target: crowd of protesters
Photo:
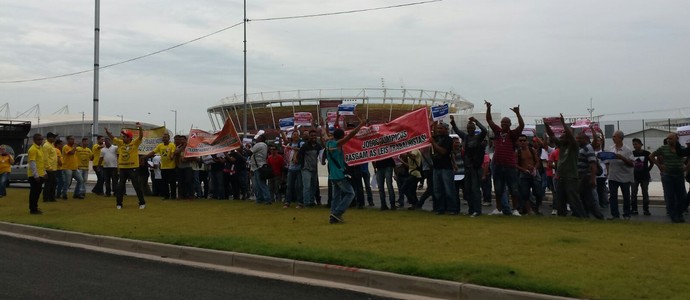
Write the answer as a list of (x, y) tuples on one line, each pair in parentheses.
[(459, 166)]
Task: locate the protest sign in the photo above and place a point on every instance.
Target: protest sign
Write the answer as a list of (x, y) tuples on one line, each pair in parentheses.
[(376, 142), (151, 138), (303, 119), (200, 143), (581, 123), (556, 125), (347, 109), (287, 123), (683, 134), (330, 121), (439, 112)]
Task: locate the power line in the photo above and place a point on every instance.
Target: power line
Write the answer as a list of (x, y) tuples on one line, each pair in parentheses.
[(346, 12), (125, 61), (219, 31)]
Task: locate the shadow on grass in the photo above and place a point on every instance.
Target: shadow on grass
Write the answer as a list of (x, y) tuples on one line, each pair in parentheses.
[(493, 275)]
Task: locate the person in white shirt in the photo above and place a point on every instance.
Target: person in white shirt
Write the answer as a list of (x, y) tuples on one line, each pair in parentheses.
[(108, 162)]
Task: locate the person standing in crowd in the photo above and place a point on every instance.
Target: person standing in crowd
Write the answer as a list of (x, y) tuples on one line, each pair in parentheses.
[(128, 164), (294, 189), (473, 158), (587, 172), (6, 161), (217, 177), (60, 183), (384, 178), (413, 161), (643, 165), (259, 156), (566, 172), (237, 171), (530, 179), (366, 179), (185, 173), (505, 171), (276, 162), (458, 173), (553, 166), (71, 168), (157, 176), (308, 158), (50, 157), (84, 157), (444, 185), (108, 163), (621, 175), (671, 168), (602, 189), (343, 194), (427, 174), (166, 150), (36, 172), (96, 152)]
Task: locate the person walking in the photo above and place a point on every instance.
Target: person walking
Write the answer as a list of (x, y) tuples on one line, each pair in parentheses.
[(128, 163), (35, 171)]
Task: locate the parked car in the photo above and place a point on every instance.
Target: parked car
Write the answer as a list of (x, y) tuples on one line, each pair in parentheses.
[(19, 169)]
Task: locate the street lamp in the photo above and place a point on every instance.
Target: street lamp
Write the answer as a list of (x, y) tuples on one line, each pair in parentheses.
[(175, 111), (122, 119), (82, 123)]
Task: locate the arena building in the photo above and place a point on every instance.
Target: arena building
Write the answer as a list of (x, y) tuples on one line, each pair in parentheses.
[(379, 105)]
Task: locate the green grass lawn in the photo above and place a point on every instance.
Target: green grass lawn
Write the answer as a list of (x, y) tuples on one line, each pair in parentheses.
[(559, 256)]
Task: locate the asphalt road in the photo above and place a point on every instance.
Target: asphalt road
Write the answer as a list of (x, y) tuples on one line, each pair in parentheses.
[(34, 270)]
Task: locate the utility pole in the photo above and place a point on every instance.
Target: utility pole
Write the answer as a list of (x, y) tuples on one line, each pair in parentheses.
[(590, 110), (96, 66)]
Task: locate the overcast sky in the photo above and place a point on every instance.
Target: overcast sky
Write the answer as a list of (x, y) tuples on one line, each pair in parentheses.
[(547, 56)]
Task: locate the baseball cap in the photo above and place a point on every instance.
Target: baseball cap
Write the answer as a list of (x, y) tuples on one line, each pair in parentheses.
[(51, 135), (127, 133)]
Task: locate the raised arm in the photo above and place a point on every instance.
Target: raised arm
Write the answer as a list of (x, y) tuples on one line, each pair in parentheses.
[(110, 134), (489, 119), (521, 122), (352, 133), (457, 130)]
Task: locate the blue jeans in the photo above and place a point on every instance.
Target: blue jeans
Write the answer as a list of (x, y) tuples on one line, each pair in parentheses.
[(294, 190), (674, 195), (261, 189), (3, 182), (613, 198), (530, 185), (68, 176), (384, 177), (309, 185), (505, 176), (60, 184), (444, 191), (84, 177), (343, 194)]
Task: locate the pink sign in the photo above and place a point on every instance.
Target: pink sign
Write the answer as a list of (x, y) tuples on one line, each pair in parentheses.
[(303, 119)]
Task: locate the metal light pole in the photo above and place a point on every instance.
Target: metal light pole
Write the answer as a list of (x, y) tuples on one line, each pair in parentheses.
[(122, 119), (244, 111), (175, 111), (97, 31), (82, 123)]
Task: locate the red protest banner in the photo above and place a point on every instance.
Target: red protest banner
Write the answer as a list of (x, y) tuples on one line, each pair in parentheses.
[(200, 143), (303, 118), (376, 142)]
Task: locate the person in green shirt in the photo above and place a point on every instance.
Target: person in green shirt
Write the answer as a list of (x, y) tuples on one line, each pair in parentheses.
[(669, 159)]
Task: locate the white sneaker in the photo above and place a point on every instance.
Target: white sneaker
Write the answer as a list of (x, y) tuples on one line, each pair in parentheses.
[(142, 206), (118, 207), (495, 212), (474, 214), (554, 212), (516, 213)]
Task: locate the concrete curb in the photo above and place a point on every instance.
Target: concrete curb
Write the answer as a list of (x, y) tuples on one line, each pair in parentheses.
[(409, 286)]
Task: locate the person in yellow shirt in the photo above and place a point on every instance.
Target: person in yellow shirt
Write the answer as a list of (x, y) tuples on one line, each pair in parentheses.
[(6, 161), (166, 150), (84, 157), (36, 171), (70, 164), (51, 164), (128, 162), (96, 150), (59, 176)]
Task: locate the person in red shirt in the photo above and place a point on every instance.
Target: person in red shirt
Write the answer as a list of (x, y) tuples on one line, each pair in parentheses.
[(277, 162), (551, 173), (505, 171)]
